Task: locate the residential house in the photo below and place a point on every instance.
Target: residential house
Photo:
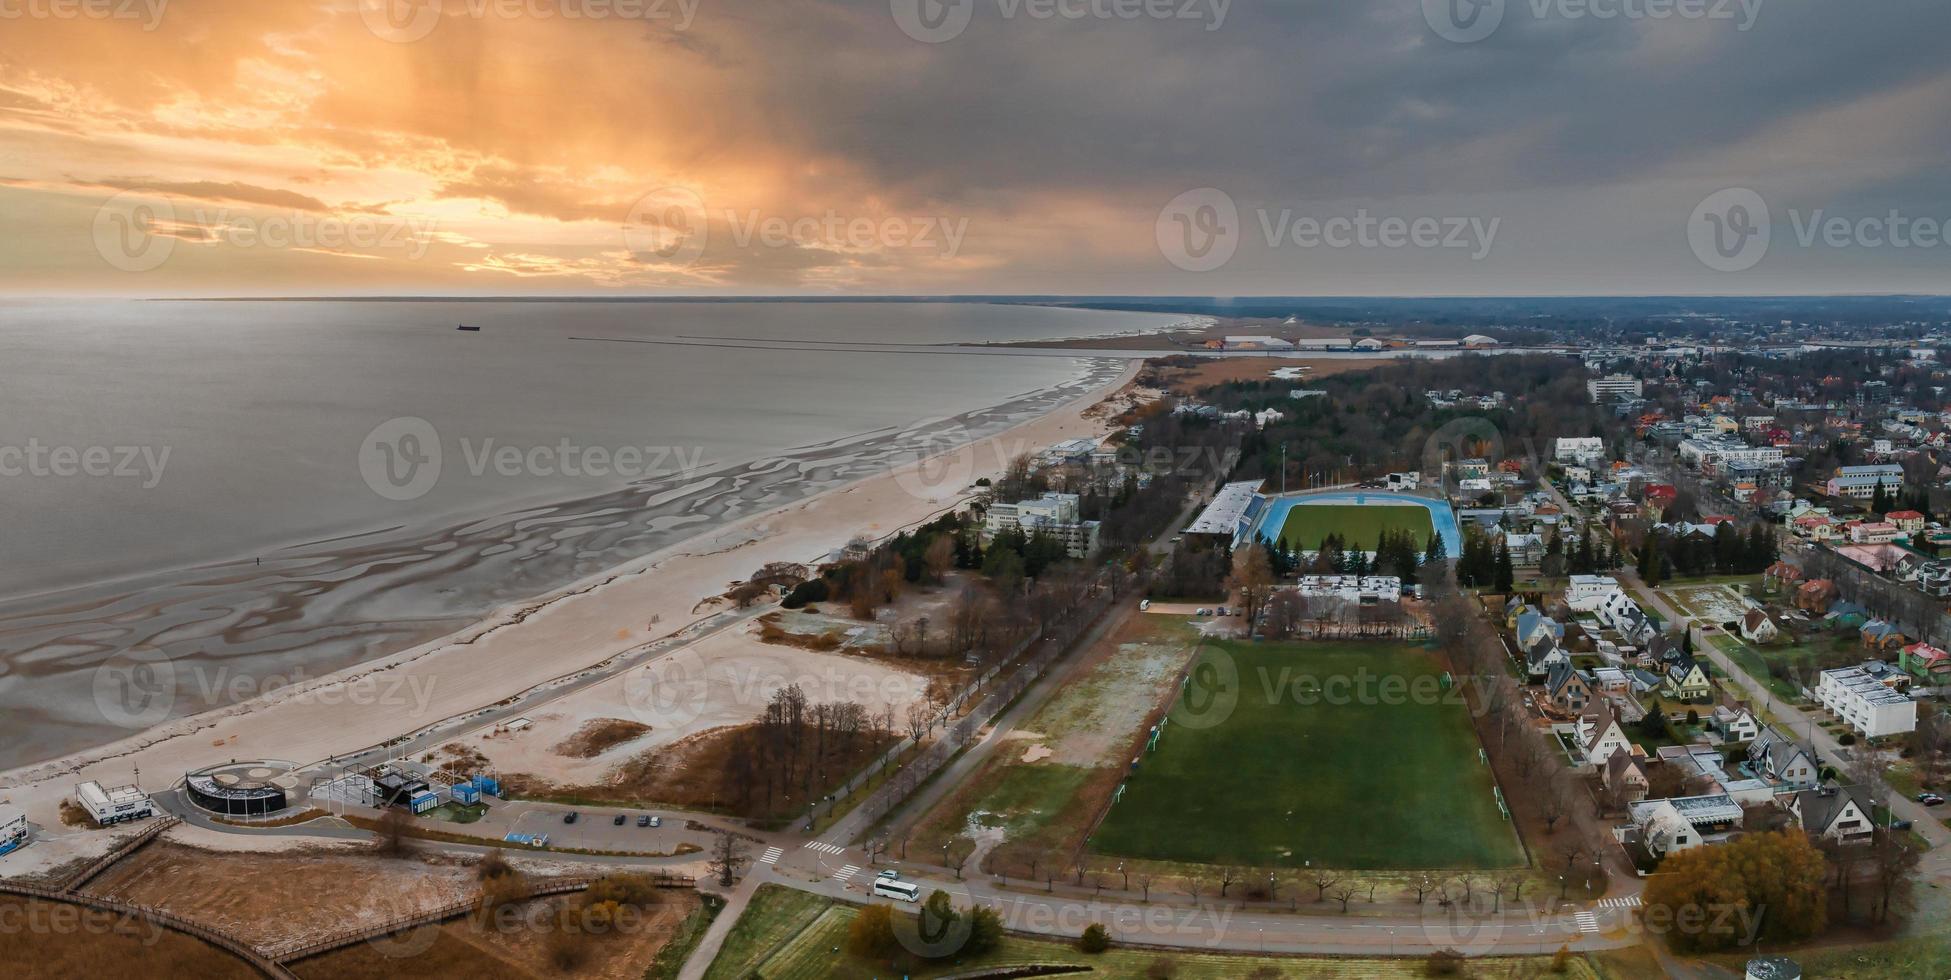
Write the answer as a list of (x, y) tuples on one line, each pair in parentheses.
[(1587, 592), (1600, 734), (1687, 681), (1567, 688), (1883, 636), (1757, 627), (1735, 724), (1816, 596), (1658, 827), (1621, 613), (1780, 760), (1907, 521), (1927, 664), (1835, 813), (1544, 654), (1624, 777)]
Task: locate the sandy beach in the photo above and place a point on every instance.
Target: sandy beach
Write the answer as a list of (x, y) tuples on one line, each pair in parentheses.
[(527, 644)]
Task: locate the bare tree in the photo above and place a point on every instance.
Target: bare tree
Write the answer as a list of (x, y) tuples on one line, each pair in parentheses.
[(1322, 880), (1342, 893), (729, 856), (1424, 882)]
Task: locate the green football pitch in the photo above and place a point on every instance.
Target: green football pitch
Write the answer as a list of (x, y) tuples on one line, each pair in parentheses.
[(1298, 765), (1360, 526)]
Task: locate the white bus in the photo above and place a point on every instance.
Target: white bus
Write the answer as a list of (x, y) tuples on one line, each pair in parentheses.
[(898, 890)]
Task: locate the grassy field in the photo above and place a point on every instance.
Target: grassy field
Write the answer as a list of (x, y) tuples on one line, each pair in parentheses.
[(774, 916), (1381, 781), (1360, 526), (809, 954), (1041, 791), (1901, 959)]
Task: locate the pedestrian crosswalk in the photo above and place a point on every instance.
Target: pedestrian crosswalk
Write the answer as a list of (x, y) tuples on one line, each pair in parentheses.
[(845, 874), (771, 856), (825, 848), (1629, 902), (1587, 922)]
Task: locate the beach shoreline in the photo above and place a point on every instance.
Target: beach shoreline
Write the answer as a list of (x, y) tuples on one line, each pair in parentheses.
[(526, 645)]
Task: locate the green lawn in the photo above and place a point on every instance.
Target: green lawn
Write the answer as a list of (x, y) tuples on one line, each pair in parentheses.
[(1284, 777), (1361, 526), (775, 915), (819, 951)]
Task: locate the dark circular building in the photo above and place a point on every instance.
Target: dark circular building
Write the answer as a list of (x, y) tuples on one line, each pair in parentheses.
[(238, 789)]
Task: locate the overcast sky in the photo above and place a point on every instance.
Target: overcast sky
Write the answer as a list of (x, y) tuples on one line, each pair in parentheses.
[(1343, 147)]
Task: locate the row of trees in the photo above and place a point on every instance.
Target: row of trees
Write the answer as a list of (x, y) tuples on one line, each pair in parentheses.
[(1728, 552), (1486, 563)]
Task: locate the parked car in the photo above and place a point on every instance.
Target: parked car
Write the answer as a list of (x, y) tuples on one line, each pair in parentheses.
[(643, 820), (657, 821), (1899, 825), (618, 821), (1930, 799), (570, 817)]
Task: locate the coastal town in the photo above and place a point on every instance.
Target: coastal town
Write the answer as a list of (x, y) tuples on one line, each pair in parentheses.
[(1097, 703)]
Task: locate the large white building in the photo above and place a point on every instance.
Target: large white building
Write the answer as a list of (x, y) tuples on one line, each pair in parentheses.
[(1053, 514), (1579, 449), (1860, 482), (1728, 452), (1614, 386), (1366, 590), (114, 804), (1587, 592), (1867, 698)]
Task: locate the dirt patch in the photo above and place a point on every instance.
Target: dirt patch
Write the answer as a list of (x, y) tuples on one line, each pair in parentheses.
[(749, 771), (72, 942), (599, 735), (1094, 720), (253, 896), (1036, 753), (737, 672), (515, 947)]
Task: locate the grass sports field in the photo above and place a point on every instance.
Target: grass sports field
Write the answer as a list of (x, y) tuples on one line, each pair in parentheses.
[(1361, 525), (1303, 767)]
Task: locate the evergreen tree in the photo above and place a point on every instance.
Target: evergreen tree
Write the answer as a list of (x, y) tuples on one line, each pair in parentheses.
[(1506, 575)]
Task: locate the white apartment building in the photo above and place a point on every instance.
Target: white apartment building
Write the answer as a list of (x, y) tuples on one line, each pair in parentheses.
[(1588, 592), (1053, 514), (1860, 482), (1866, 698), (1727, 452), (1579, 450), (1614, 386)]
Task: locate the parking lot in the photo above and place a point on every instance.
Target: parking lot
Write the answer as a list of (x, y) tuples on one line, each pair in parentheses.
[(595, 828)]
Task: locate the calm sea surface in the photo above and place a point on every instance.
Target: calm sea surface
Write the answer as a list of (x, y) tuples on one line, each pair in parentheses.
[(255, 484)]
